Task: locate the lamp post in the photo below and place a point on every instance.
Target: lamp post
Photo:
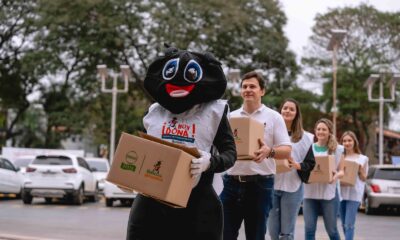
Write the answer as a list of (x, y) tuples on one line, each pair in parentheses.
[(336, 39), (382, 78), (125, 74), (234, 81)]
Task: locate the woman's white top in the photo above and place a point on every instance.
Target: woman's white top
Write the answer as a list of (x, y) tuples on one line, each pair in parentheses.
[(290, 181), (323, 191), (355, 193)]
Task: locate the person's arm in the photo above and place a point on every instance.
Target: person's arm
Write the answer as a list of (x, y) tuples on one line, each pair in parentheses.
[(225, 144), (281, 148), (280, 152), (340, 171), (362, 171), (308, 163)]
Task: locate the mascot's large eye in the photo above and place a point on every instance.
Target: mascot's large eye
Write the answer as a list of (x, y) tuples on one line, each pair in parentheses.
[(170, 69), (193, 72)]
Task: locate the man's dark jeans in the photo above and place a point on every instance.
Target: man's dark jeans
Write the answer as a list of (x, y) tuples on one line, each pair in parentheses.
[(249, 201)]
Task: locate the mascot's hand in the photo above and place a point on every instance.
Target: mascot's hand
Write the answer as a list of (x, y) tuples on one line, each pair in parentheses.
[(200, 165)]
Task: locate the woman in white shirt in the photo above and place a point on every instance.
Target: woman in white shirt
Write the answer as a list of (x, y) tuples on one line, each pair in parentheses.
[(288, 186), (323, 197), (352, 195)]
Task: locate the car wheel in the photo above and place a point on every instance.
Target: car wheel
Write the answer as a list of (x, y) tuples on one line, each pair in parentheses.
[(368, 209), (18, 195), (78, 196), (109, 202), (27, 198), (95, 196), (48, 200), (127, 202)]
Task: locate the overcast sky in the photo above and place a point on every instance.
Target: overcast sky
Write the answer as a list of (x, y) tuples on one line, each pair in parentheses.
[(301, 14)]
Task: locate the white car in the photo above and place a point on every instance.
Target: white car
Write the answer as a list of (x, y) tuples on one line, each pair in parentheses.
[(10, 179), (113, 193), (59, 176), (22, 162), (100, 168)]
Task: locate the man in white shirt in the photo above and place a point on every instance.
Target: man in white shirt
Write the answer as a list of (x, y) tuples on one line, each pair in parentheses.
[(249, 184)]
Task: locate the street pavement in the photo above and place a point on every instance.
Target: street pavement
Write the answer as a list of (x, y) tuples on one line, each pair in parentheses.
[(94, 221)]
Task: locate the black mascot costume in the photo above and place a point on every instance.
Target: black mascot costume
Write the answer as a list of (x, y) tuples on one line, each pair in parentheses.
[(187, 87)]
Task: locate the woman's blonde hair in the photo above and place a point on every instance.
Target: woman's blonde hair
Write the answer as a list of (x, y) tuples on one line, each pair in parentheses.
[(332, 143), (351, 134), (296, 129)]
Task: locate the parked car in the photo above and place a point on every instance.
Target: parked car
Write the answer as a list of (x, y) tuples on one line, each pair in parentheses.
[(10, 179), (59, 176), (382, 188), (22, 162), (100, 168), (113, 193)]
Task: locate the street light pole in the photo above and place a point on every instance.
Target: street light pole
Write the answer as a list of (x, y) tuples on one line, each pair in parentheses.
[(382, 77), (337, 36), (103, 73), (334, 108), (234, 81)]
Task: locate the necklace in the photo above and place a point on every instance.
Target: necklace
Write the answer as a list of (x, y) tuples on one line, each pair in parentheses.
[(320, 148)]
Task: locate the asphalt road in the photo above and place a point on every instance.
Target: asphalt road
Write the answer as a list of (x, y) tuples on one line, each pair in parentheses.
[(94, 221)]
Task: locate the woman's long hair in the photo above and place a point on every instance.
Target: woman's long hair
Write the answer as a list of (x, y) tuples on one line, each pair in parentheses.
[(356, 147), (296, 129), (332, 143)]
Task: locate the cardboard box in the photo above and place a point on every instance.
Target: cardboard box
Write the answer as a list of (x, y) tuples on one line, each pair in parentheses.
[(282, 165), (246, 132), (323, 170), (350, 173), (153, 167)]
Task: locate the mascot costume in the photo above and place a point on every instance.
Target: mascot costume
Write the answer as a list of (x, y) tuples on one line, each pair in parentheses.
[(187, 87)]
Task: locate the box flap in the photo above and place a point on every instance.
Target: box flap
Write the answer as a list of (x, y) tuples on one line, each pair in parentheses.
[(245, 157), (192, 151)]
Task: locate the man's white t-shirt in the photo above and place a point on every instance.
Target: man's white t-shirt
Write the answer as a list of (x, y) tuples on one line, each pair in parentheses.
[(275, 134)]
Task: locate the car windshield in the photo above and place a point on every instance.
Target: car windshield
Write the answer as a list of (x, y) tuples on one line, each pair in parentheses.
[(52, 160), (387, 174), (100, 166), (22, 162)]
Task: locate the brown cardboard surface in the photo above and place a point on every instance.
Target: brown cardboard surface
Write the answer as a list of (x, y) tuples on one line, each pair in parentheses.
[(282, 165), (192, 151), (324, 169), (246, 132), (153, 168), (350, 173)]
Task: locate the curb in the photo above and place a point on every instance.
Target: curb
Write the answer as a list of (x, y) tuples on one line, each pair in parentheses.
[(20, 237)]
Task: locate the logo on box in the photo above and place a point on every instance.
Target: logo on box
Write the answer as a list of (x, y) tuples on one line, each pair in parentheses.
[(155, 172), (235, 135), (130, 160)]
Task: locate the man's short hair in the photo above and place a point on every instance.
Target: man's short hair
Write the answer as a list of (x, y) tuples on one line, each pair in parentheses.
[(256, 75)]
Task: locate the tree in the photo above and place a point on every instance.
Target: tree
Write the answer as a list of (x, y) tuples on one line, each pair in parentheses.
[(72, 37), (372, 41), (17, 62)]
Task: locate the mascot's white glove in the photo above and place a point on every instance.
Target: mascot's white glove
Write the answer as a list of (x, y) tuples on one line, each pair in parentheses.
[(200, 165)]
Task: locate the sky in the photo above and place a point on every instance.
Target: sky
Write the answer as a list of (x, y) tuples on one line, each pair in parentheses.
[(300, 15)]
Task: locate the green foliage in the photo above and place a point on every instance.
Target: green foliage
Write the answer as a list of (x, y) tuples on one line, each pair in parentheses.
[(309, 103), (65, 40), (371, 42)]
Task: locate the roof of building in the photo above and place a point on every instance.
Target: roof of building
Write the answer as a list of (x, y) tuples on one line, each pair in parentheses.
[(389, 133)]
